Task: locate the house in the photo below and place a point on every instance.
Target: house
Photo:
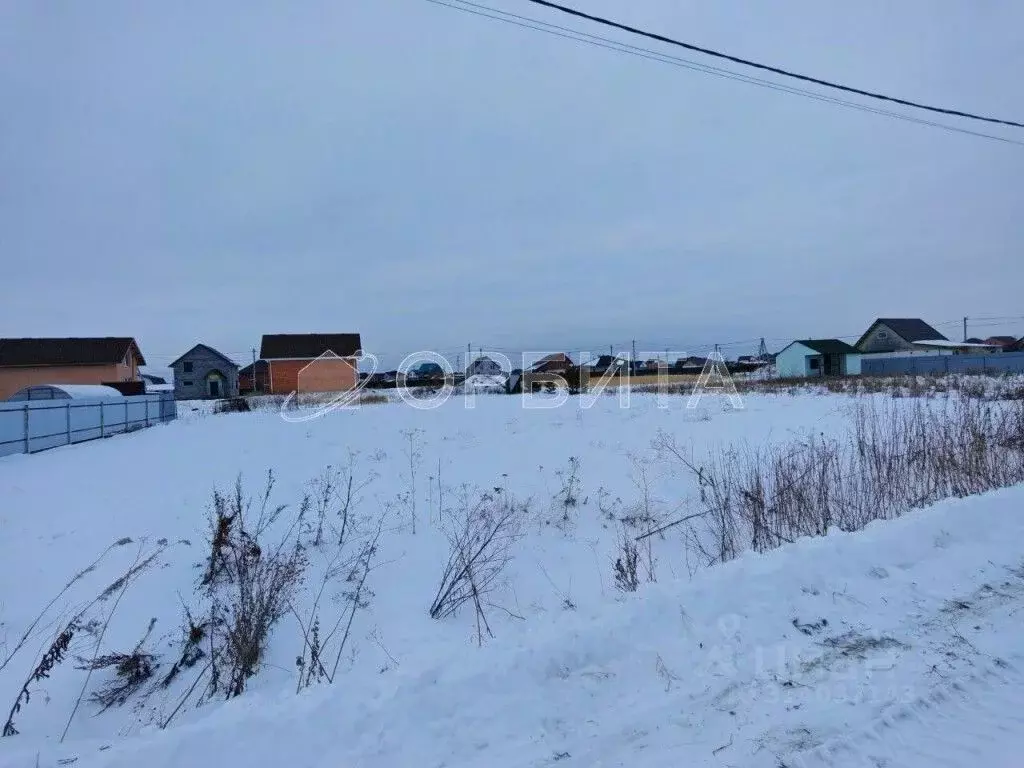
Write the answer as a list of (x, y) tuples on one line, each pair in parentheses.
[(889, 334), (690, 364), (203, 373), (149, 378), (1017, 346), (484, 366), (606, 363), (1002, 342), (255, 377), (559, 362), (311, 362), (817, 357), (426, 371), (25, 362)]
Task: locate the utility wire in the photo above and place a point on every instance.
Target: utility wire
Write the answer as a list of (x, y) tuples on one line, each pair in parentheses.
[(646, 53), (769, 68)]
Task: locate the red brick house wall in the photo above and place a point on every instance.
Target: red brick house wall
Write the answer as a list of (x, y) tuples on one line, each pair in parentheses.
[(325, 374)]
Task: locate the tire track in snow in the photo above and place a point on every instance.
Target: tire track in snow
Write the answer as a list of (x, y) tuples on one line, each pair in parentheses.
[(978, 720)]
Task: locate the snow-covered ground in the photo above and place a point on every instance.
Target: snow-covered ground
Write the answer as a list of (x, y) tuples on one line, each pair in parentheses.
[(899, 645)]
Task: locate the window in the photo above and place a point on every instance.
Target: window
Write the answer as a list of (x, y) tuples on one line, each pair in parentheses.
[(187, 367), (815, 363), (883, 335), (187, 383)]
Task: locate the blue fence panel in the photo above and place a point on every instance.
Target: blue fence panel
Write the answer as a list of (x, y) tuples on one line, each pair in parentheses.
[(47, 425), (12, 430), (35, 425), (993, 364)]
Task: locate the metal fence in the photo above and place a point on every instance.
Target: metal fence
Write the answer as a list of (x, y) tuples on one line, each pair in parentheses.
[(36, 425), (1006, 362)]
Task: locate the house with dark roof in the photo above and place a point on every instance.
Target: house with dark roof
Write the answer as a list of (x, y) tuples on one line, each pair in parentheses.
[(97, 360), (255, 377), (817, 357), (311, 362), (557, 362), (897, 334), (484, 366), (203, 373), (1002, 342)]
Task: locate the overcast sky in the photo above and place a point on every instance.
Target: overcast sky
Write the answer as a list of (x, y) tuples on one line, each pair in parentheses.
[(208, 172)]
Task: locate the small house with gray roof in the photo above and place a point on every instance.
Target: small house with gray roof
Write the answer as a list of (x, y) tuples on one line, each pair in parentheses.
[(203, 373), (898, 334), (808, 358)]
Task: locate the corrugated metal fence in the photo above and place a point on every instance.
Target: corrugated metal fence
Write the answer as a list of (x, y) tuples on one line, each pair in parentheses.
[(35, 425), (1006, 362)]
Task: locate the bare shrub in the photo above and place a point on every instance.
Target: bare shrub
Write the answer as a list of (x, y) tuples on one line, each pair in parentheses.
[(481, 533), (91, 619), (568, 496), (413, 453), (248, 583), (334, 498), (131, 671), (313, 663), (53, 656), (627, 578), (32, 630), (894, 458), (192, 647)]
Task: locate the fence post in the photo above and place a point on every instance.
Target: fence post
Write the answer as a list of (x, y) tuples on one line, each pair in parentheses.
[(67, 415), (147, 409), (101, 418), (26, 427), (126, 414)]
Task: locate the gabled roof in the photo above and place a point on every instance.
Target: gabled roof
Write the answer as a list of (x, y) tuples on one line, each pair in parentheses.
[(209, 349), (910, 329), (309, 346), (556, 358), (259, 365), (107, 350), (828, 346)]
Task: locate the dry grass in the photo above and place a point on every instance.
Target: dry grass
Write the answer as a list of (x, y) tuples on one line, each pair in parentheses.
[(895, 457)]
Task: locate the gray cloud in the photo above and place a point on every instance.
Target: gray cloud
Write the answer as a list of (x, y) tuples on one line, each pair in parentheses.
[(428, 177)]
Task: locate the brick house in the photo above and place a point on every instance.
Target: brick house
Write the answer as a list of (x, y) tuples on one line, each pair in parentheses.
[(311, 362), (255, 377), (105, 360)]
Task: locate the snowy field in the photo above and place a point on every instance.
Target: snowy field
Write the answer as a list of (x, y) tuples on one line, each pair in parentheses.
[(853, 649)]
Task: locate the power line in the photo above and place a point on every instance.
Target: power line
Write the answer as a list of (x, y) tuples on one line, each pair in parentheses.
[(646, 53), (769, 68)]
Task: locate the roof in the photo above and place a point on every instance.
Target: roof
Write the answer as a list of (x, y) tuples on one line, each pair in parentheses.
[(105, 350), (556, 358), (149, 378), (77, 391), (947, 344), (1003, 340), (260, 366), (828, 346), (209, 349), (308, 346), (909, 329)]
